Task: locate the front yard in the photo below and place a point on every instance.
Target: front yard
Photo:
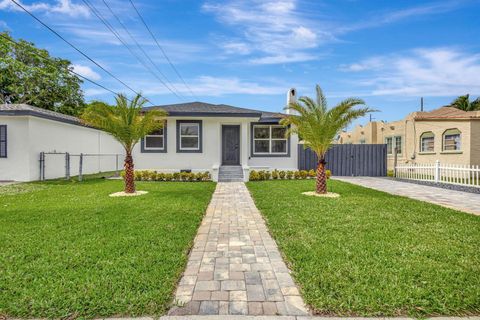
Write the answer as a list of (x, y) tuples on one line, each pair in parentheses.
[(370, 253), (69, 250)]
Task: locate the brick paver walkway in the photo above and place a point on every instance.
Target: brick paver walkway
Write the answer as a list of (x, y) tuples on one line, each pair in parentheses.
[(463, 201), (235, 267)]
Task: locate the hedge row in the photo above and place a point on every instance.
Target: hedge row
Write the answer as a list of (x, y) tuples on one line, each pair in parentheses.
[(148, 175), (287, 175)]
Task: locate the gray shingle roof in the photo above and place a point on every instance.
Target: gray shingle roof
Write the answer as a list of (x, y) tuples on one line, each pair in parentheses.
[(212, 110), (27, 110)]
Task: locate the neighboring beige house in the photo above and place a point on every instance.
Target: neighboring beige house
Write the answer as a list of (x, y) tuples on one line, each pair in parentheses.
[(446, 134)]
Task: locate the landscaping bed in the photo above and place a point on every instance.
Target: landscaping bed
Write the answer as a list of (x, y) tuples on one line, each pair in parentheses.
[(369, 253), (70, 250)]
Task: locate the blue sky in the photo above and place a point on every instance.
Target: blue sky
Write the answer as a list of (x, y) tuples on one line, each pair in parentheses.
[(249, 53)]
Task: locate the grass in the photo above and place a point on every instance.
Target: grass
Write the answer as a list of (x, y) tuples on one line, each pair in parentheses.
[(69, 250), (369, 253)]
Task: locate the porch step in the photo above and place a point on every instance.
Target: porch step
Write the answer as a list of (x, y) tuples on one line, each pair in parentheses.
[(230, 174)]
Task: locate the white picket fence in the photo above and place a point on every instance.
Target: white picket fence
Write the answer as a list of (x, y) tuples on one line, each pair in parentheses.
[(464, 175)]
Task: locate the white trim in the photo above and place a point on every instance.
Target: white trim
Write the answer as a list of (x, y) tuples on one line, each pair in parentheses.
[(180, 136), (269, 139), (154, 136)]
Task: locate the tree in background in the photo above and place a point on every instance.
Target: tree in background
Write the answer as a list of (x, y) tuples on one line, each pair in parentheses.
[(318, 126), (30, 75), (127, 124), (464, 103)]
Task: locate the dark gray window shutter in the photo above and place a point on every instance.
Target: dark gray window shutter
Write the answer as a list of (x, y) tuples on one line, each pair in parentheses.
[(3, 141)]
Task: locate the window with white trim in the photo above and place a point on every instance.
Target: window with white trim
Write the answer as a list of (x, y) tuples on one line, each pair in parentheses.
[(189, 136), (269, 139), (392, 143), (427, 142), (155, 140), (452, 140), (3, 141)]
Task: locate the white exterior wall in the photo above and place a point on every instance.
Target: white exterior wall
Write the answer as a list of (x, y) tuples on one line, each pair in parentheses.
[(16, 165), (27, 136), (211, 157)]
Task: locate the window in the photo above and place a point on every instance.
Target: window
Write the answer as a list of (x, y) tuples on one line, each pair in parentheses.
[(269, 140), (452, 140), (3, 141), (189, 136), (427, 142), (155, 140), (392, 143)]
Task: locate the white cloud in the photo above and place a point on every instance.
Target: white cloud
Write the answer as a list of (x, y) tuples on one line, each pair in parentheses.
[(273, 31), (421, 72), (86, 71), (66, 7)]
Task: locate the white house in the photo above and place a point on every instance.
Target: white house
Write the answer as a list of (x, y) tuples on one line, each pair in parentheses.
[(225, 140)]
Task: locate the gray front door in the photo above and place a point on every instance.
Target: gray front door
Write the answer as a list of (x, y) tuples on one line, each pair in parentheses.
[(230, 145)]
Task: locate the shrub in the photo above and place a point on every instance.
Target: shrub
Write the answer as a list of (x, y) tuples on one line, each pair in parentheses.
[(207, 176), (282, 174), (311, 173), (176, 176), (390, 173), (137, 175), (122, 174), (275, 174), (328, 173), (160, 176), (296, 175), (303, 174), (254, 176), (268, 174), (168, 177), (289, 174), (261, 175)]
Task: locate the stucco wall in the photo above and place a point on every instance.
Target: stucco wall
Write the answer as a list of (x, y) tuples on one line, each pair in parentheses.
[(211, 155), (475, 143), (15, 166), (29, 135)]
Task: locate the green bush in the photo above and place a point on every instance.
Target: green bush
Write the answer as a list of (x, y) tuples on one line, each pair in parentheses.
[(311, 173), (149, 175), (261, 175), (328, 173), (296, 174), (289, 174), (390, 173), (282, 174), (137, 175), (303, 174), (207, 176), (254, 176), (160, 176), (268, 175), (168, 177), (275, 174)]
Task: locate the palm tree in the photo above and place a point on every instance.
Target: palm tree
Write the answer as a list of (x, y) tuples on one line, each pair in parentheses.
[(318, 126), (127, 124), (464, 103)]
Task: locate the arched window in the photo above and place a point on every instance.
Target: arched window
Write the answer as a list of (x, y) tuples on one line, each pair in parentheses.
[(427, 142), (452, 140)]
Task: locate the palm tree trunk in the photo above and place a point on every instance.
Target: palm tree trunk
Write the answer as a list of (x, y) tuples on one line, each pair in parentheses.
[(321, 182), (129, 174)]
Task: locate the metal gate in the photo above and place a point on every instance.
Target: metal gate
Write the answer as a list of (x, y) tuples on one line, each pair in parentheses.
[(368, 160)]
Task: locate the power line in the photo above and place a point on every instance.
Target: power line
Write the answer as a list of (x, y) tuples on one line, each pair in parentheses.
[(161, 49), (142, 50), (77, 49), (69, 70), (117, 35)]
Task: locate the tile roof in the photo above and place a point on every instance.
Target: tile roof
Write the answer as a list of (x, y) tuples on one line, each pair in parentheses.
[(28, 110), (447, 113)]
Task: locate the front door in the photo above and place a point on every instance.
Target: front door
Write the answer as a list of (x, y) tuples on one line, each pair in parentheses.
[(230, 145)]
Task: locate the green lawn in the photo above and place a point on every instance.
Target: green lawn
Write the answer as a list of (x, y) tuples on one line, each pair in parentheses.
[(67, 249), (370, 253)]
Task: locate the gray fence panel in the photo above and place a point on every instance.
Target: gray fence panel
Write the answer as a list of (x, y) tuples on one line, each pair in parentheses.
[(349, 159)]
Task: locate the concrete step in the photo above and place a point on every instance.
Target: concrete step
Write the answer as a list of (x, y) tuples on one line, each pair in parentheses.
[(230, 174)]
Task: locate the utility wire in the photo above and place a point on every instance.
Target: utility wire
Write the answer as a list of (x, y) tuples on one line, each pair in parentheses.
[(161, 49), (117, 35), (69, 70), (77, 49), (142, 50)]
